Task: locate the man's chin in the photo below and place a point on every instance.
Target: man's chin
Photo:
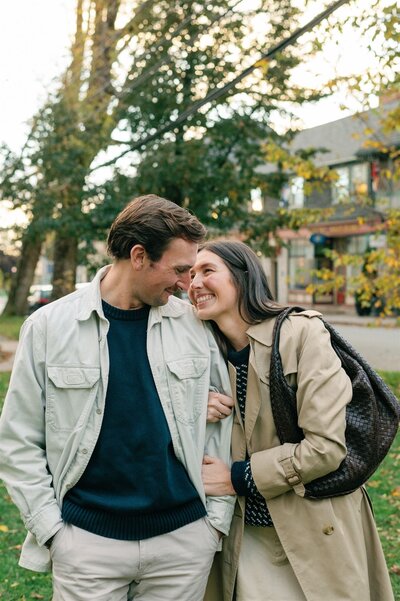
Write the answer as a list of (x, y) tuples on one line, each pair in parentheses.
[(162, 300)]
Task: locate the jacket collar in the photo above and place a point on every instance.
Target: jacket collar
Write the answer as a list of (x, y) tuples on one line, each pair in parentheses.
[(91, 297), (174, 308), (91, 301), (262, 332)]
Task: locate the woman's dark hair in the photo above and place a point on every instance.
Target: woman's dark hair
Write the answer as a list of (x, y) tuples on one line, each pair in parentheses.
[(153, 222), (256, 302)]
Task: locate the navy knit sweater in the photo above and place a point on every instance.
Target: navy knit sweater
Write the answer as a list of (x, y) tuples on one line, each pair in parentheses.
[(256, 510), (134, 487)]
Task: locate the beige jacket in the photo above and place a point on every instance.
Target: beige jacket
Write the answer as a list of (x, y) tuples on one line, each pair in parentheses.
[(332, 544)]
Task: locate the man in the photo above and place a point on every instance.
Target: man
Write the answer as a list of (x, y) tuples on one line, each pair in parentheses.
[(104, 426)]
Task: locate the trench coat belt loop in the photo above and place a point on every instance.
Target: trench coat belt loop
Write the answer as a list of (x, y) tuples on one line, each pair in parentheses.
[(292, 476)]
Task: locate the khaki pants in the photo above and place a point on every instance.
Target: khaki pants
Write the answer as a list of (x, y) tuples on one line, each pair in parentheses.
[(264, 572), (88, 567)]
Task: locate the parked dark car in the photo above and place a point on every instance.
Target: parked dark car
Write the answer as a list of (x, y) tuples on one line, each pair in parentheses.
[(39, 296)]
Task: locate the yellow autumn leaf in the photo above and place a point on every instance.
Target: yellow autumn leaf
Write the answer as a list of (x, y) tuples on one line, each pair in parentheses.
[(396, 492), (263, 63), (373, 484), (3, 528)]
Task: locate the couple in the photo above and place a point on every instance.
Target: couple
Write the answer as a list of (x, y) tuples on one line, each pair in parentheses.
[(125, 490)]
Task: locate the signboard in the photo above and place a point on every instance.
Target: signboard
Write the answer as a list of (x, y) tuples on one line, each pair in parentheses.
[(318, 238)]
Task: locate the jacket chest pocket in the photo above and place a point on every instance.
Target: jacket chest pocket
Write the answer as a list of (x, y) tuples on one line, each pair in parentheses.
[(188, 387), (69, 391)]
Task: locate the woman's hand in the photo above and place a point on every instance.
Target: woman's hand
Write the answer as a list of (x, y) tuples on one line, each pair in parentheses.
[(216, 476), (219, 406)]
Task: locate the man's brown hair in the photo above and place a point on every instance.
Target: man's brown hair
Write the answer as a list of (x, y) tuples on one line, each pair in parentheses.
[(153, 222)]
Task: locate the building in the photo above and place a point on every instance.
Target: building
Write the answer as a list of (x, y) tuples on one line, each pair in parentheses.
[(356, 149)]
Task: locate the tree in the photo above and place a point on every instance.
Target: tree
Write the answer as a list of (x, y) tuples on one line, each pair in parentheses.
[(130, 76)]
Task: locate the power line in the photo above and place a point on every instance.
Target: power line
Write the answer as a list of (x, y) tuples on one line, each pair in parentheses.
[(218, 92), (165, 60)]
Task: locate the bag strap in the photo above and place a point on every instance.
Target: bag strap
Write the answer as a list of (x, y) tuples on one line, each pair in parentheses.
[(283, 396)]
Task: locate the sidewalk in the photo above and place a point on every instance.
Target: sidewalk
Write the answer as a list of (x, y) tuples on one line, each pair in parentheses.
[(347, 316), (7, 352), (357, 320)]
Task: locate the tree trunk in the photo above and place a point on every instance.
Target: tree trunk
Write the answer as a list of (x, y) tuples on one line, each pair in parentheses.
[(17, 303), (98, 129), (65, 262)]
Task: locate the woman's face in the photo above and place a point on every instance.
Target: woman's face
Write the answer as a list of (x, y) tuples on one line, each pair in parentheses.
[(212, 291)]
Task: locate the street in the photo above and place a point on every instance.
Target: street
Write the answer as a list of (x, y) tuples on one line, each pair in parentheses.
[(379, 346)]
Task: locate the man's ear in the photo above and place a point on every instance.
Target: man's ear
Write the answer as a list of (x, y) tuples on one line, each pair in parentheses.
[(138, 256)]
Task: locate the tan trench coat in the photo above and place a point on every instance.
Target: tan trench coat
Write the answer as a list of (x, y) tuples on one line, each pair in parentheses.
[(332, 544)]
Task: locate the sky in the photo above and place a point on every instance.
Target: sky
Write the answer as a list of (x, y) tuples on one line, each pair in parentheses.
[(34, 37), (34, 40)]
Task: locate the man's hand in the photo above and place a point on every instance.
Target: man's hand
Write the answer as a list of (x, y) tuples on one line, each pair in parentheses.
[(219, 406), (216, 476)]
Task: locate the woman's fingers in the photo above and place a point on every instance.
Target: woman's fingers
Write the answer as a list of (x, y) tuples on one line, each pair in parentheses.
[(219, 406)]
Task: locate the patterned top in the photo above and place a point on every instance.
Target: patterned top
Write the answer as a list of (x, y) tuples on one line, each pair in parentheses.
[(256, 512)]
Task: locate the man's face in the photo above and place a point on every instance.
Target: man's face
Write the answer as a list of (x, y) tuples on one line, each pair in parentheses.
[(162, 278)]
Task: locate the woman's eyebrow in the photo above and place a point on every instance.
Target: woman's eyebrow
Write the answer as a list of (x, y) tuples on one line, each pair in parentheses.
[(201, 265)]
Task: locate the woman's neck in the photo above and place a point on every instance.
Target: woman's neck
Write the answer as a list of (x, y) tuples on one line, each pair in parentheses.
[(234, 329)]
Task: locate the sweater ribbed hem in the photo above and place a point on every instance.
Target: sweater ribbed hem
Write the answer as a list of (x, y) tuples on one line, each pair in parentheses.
[(129, 526)]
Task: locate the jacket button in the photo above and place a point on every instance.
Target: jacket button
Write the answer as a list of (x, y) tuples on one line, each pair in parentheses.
[(84, 451), (328, 530), (98, 411)]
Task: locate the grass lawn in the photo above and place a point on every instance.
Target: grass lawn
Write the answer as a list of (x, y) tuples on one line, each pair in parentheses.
[(17, 584), (10, 326)]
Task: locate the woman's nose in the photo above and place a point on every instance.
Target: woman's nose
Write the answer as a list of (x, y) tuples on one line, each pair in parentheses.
[(196, 281)]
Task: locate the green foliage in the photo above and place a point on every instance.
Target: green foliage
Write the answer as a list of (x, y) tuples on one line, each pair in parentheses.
[(10, 326), (384, 491)]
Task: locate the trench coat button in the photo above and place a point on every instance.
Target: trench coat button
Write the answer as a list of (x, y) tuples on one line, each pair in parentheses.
[(98, 411), (84, 451), (328, 530)]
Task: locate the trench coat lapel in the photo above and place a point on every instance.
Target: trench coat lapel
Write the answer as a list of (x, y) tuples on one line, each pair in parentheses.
[(232, 377), (253, 400), (260, 333)]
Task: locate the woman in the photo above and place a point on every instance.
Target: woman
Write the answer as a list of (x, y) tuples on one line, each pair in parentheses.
[(282, 546)]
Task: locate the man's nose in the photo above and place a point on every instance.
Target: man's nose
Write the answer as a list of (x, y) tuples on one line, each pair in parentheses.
[(184, 281)]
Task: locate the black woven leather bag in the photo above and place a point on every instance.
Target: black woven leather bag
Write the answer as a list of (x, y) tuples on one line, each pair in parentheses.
[(372, 416)]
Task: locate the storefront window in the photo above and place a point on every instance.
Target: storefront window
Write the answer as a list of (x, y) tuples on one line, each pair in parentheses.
[(301, 262), (357, 245)]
